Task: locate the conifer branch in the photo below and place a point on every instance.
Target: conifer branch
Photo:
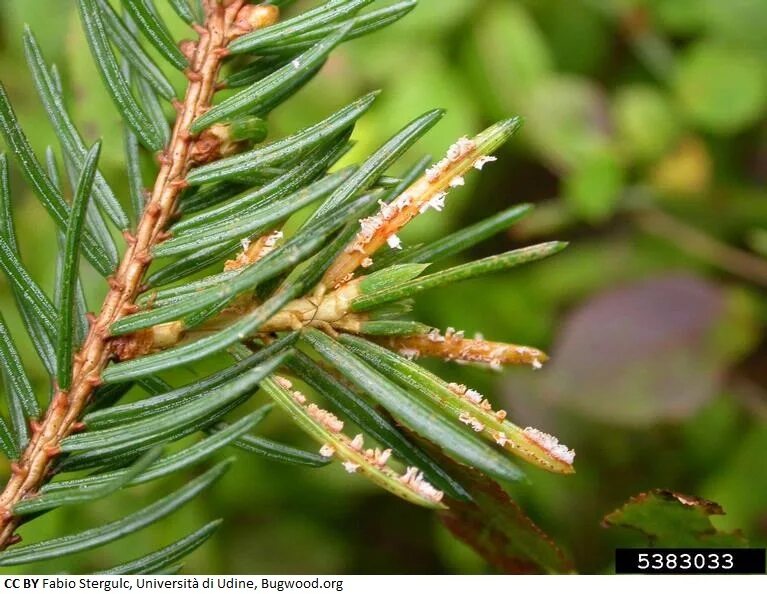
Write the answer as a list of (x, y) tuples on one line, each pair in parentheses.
[(318, 288), (224, 21)]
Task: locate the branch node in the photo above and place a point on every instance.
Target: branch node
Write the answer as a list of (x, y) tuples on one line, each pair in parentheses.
[(129, 308), (179, 184), (65, 409), (143, 257), (129, 237), (192, 75), (52, 450), (188, 47), (153, 210), (163, 235), (19, 470), (14, 539), (94, 380), (60, 400), (115, 284), (77, 427)]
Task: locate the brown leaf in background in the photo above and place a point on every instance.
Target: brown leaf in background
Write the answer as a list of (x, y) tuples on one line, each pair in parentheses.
[(497, 528)]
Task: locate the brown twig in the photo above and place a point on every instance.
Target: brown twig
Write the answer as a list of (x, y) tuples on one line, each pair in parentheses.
[(696, 242), (223, 22)]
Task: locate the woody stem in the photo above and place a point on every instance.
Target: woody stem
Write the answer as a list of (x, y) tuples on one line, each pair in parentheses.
[(66, 407)]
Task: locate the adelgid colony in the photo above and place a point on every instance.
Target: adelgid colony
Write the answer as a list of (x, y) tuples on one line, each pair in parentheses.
[(313, 313)]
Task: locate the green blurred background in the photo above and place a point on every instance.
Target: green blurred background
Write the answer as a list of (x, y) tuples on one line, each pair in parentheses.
[(644, 145)]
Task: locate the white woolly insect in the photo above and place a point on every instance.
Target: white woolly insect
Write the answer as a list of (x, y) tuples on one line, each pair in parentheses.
[(270, 242), (460, 148), (466, 145), (536, 364), (427, 490), (451, 333), (333, 423), (350, 467), (434, 172), (473, 395), (245, 243), (435, 335), (327, 450), (459, 389), (457, 181), (284, 382), (328, 419), (437, 202), (456, 152), (369, 226), (298, 397), (501, 439), (367, 262), (413, 478), (551, 444), (388, 211), (403, 201), (358, 442), (474, 423), (381, 458), (394, 242), (409, 353), (482, 161)]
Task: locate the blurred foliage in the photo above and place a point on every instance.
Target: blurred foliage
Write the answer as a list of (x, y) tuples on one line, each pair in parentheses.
[(671, 520), (645, 145)]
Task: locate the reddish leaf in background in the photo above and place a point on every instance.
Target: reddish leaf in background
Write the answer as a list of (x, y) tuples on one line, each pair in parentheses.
[(497, 528), (640, 354)]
